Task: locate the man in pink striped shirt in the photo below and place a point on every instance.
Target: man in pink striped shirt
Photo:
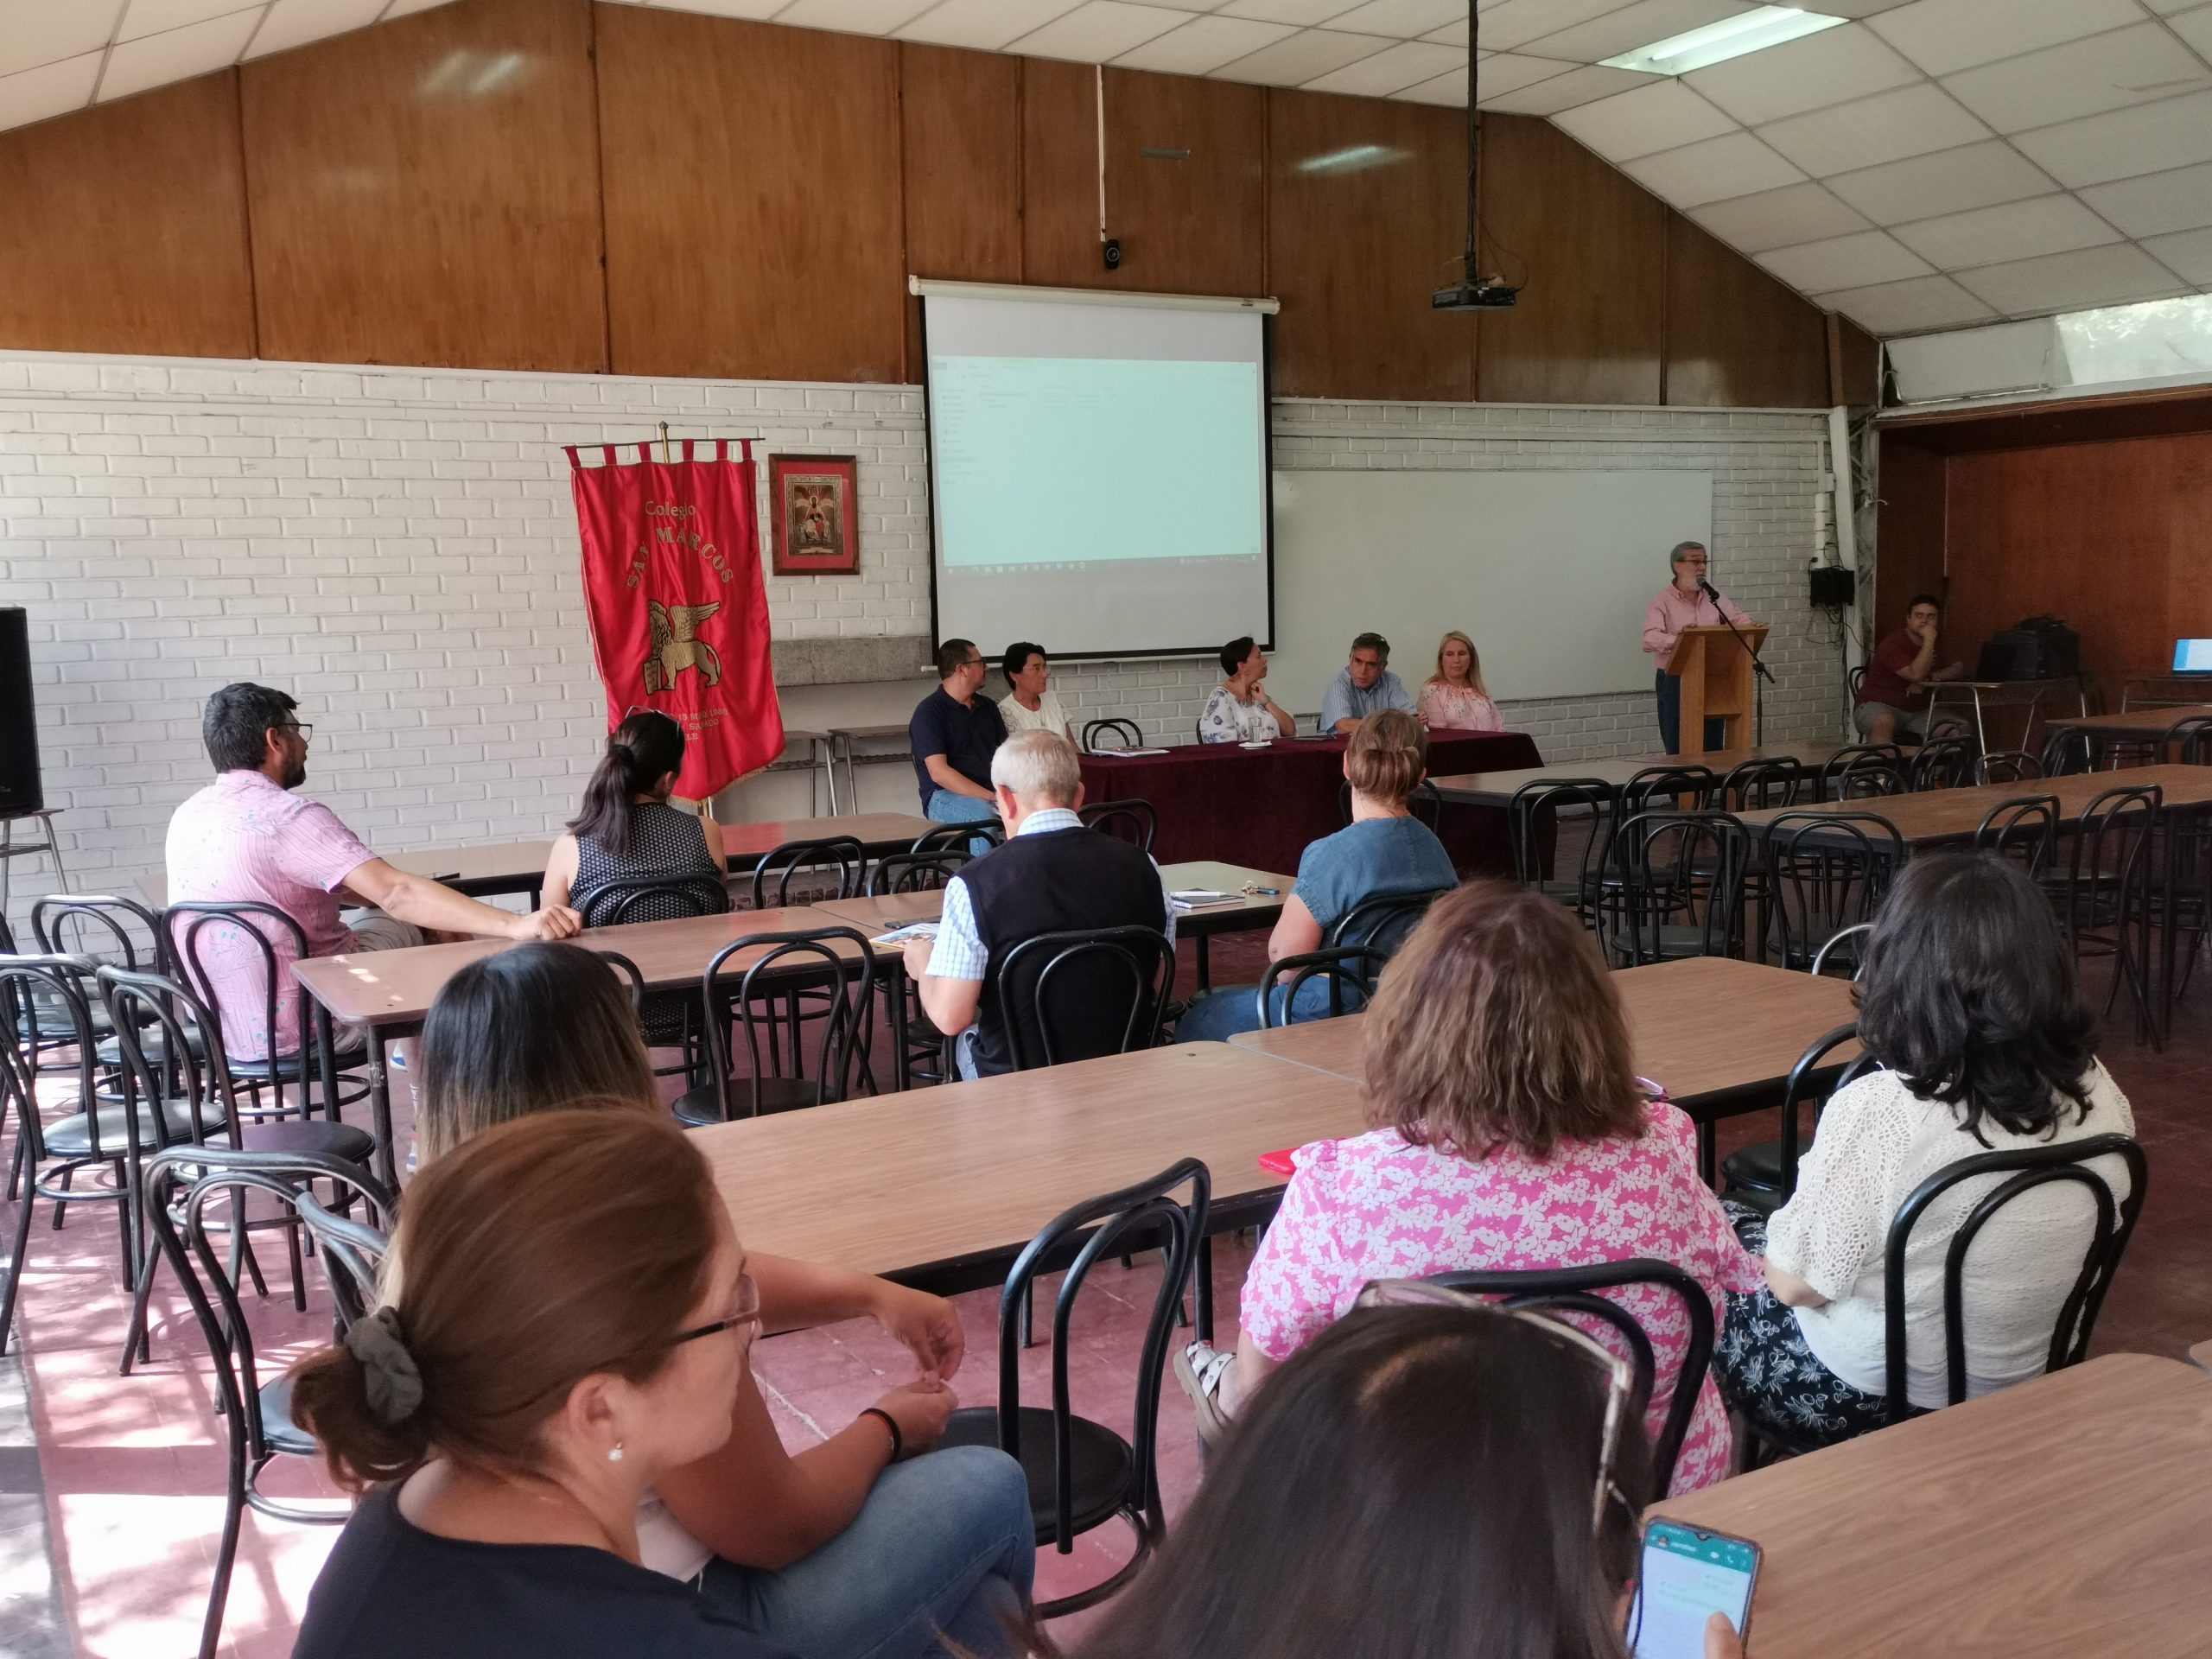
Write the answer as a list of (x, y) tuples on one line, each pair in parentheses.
[(1679, 605), (246, 837)]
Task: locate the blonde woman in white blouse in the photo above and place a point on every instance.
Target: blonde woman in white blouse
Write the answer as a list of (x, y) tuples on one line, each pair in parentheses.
[(1969, 1001), (1240, 710), (1454, 698)]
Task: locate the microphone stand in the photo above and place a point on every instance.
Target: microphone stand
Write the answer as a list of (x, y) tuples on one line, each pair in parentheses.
[(1760, 672)]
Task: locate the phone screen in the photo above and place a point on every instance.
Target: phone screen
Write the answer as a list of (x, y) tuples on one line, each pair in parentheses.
[(1688, 1576)]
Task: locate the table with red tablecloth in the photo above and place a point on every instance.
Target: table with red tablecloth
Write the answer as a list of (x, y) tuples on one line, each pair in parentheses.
[(1262, 807)]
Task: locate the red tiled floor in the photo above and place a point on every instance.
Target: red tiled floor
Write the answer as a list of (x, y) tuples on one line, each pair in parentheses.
[(133, 1467)]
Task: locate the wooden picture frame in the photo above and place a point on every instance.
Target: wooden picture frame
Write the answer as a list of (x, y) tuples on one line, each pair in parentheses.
[(814, 500)]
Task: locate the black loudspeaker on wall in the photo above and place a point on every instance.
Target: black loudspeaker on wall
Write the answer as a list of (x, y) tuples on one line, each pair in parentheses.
[(19, 785)]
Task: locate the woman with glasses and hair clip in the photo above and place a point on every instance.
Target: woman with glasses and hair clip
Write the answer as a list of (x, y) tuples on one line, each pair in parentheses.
[(1429, 1478), (627, 832), (841, 1549), (1384, 850), (1509, 1131), (1968, 1000)]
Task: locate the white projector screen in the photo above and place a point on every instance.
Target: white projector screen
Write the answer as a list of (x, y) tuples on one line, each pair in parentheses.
[(1098, 471)]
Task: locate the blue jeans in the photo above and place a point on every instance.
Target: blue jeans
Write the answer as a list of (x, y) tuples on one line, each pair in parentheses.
[(1231, 1009), (942, 1553), (1670, 717), (945, 807)]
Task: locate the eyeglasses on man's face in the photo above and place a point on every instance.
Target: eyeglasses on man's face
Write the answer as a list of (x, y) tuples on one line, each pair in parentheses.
[(301, 729)]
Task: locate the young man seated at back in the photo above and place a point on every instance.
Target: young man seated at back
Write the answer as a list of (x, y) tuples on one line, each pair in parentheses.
[(247, 838), (1054, 874)]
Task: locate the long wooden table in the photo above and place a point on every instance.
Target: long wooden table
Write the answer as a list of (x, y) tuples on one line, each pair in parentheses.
[(2059, 1518), (2132, 725), (1498, 788), (1934, 818)]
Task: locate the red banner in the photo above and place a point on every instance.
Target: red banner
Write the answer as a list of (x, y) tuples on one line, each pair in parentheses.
[(679, 616)]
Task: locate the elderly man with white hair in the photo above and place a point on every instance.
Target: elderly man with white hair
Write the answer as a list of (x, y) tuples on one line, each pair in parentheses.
[(1054, 874)]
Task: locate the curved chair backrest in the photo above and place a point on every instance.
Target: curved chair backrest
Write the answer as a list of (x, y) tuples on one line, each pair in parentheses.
[(1826, 872), (1350, 971), (1675, 886), (2193, 739), (350, 1252), (2022, 831), (1757, 784), (1584, 1292), (1139, 1217), (103, 926), (633, 979), (1845, 943), (1806, 1084), (1081, 993), (2029, 1167), (778, 864), (668, 899), (2110, 857), (196, 930), (1130, 734), (43, 1005), (811, 955), (2068, 753), (914, 872), (1657, 789), (1131, 821), (1533, 822), (1863, 771), (2008, 766), (1941, 763), (1382, 923), (957, 838), (187, 1074)]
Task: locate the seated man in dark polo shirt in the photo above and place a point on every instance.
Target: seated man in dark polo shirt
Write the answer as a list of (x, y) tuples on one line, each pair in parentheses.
[(954, 733), (1053, 874)]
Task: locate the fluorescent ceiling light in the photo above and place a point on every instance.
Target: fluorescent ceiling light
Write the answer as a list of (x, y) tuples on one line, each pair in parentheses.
[(1732, 37)]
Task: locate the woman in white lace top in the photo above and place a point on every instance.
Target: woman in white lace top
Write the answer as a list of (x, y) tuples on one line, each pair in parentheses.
[(1240, 710), (1454, 699), (1969, 1001)]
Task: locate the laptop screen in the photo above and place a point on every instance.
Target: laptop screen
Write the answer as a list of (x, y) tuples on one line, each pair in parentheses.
[(2193, 655)]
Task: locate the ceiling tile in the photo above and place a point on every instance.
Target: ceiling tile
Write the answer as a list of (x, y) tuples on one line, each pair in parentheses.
[(2017, 230), (1305, 13), (46, 31), (1201, 44), (2066, 282), (1910, 307), (177, 55), (2188, 255), (1638, 25), (2196, 27), (51, 89), (2157, 203), (1516, 22), (1664, 115), (2167, 8), (1948, 182), (1402, 19), (2153, 139), (157, 16), (1941, 36), (850, 16), (1455, 34), (1407, 64), (1858, 8), (1778, 218), (1097, 30), (1887, 127), (987, 24), (1297, 60), (1856, 260), (1501, 73), (295, 22), (1562, 91), (1822, 69), (1735, 165), (1450, 91), (2061, 83)]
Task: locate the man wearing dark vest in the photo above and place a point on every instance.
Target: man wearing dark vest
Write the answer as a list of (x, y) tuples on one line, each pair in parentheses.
[(1054, 874)]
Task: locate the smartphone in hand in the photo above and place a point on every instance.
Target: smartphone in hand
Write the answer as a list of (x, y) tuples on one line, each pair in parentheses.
[(1688, 1576)]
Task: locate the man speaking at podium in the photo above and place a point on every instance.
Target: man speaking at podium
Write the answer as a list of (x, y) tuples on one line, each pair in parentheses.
[(1686, 602)]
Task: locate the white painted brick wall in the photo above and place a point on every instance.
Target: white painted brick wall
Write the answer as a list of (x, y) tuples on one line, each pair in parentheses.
[(398, 548)]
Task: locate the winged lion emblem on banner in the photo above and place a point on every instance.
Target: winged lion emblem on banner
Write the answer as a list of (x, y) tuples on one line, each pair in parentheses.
[(676, 644)]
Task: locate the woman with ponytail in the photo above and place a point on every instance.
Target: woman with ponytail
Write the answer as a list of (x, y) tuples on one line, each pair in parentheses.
[(628, 833)]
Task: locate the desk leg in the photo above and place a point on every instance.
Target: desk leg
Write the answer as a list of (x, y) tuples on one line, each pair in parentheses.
[(325, 1043), (1205, 964), (901, 1079), (1203, 1313), (380, 1114)]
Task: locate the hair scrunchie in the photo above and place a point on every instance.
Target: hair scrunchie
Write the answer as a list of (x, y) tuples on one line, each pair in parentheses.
[(394, 1383), (622, 752)]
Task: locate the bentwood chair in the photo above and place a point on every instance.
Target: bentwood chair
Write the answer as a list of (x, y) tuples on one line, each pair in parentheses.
[(1560, 828), (198, 935), (182, 1185), (105, 928), (761, 1003), (1081, 993), (1082, 1474), (1764, 1174), (1349, 971), (2103, 895), (1941, 763), (1620, 1296), (664, 899), (1132, 821), (840, 855), (2008, 766), (1825, 871), (1667, 789), (897, 873), (2022, 831), (1757, 784), (2068, 753), (960, 838), (1861, 772), (1384, 923), (1129, 734), (1676, 886)]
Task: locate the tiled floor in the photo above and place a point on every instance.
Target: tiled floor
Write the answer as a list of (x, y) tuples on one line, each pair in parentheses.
[(132, 1469)]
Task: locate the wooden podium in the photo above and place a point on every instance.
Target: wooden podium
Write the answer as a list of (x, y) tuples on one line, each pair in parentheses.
[(1715, 671)]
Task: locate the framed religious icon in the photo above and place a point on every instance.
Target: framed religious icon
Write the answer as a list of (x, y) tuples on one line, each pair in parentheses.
[(814, 499)]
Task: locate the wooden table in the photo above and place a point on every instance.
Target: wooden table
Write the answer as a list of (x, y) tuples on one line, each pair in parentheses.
[(942, 1188), (1498, 788), (1720, 1035), (2061, 1517), (878, 833), (1947, 816), (2153, 726)]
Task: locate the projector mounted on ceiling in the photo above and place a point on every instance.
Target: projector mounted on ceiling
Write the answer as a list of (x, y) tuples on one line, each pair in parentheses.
[(1473, 291)]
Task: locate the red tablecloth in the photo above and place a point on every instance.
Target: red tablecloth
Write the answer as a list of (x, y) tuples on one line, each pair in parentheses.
[(1260, 808)]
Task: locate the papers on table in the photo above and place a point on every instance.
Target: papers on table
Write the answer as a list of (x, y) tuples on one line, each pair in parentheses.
[(1201, 897), (1110, 754), (911, 930)]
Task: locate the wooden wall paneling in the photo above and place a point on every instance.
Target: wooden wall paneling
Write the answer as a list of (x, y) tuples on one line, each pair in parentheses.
[(960, 124), (1908, 530), (1366, 214), (1060, 176), (427, 192), (1862, 365), (1734, 334), (122, 228), (1588, 247), (2189, 573), (752, 184)]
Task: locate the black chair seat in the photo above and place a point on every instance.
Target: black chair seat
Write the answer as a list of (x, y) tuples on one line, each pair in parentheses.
[(1100, 1463), (72, 1136), (151, 1043), (316, 1137), (286, 1068), (704, 1105), (278, 1431)]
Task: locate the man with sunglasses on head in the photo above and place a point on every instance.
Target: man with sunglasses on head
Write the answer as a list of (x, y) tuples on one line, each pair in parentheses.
[(247, 838)]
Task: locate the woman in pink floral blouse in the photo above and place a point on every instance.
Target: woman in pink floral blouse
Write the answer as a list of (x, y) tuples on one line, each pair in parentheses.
[(1510, 1132), (1454, 698)]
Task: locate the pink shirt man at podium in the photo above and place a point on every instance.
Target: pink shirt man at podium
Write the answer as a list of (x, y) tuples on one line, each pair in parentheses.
[(1683, 603)]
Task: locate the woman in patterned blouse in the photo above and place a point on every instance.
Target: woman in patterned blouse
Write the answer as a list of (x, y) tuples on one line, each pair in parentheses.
[(1239, 711), (1454, 698)]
